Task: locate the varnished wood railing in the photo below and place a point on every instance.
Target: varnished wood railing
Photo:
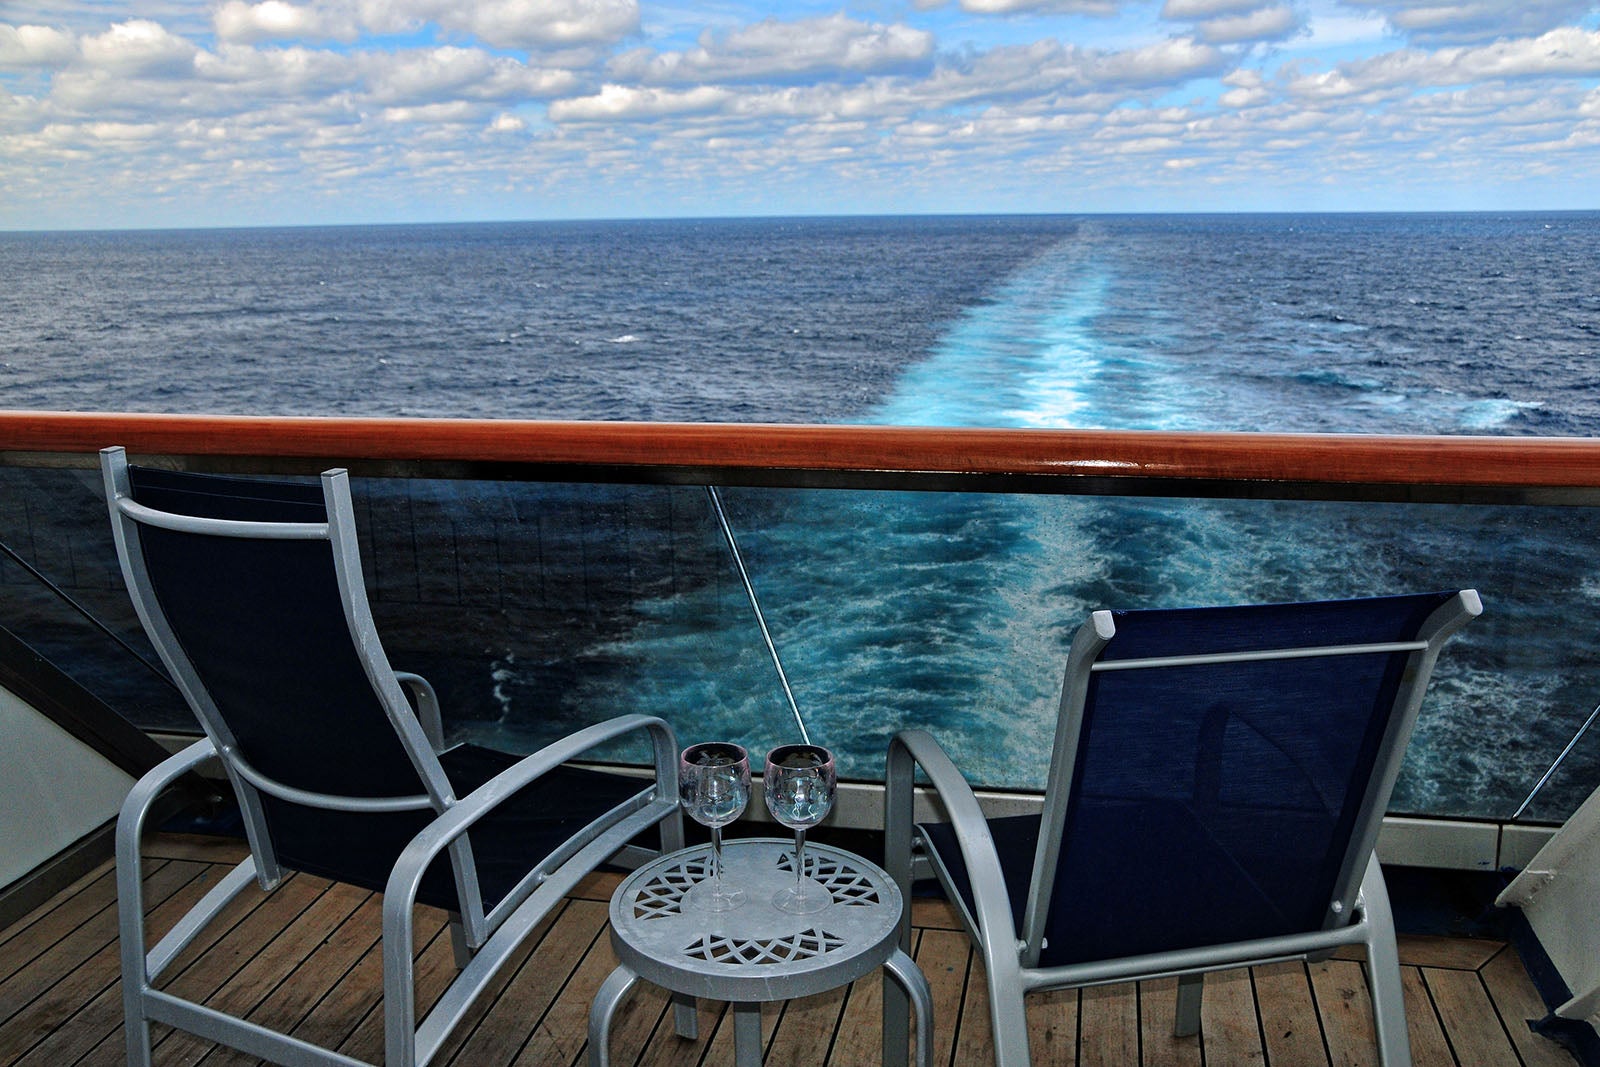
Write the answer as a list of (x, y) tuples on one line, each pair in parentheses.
[(1490, 469)]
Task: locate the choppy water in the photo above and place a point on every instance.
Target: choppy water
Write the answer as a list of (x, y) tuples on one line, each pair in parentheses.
[(943, 611)]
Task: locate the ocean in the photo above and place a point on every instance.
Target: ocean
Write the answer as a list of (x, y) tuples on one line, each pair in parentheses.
[(946, 611)]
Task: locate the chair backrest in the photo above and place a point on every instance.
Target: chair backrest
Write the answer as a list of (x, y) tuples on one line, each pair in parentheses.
[(252, 592), (1219, 774)]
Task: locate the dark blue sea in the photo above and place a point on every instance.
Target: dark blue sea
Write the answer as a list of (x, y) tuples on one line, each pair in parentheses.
[(949, 612)]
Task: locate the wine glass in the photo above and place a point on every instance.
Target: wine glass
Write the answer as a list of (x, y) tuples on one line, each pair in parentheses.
[(800, 782), (714, 784)]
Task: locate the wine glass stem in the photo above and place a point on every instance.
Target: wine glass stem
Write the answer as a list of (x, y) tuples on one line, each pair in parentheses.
[(716, 861), (799, 860)]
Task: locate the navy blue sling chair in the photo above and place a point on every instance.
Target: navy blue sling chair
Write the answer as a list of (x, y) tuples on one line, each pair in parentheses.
[(1216, 785), (252, 593)]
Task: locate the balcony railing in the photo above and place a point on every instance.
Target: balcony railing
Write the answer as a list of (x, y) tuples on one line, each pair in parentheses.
[(557, 572)]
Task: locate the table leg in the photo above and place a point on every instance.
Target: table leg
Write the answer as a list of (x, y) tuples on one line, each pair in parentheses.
[(914, 985), (604, 1009), (685, 1016), (747, 1035)]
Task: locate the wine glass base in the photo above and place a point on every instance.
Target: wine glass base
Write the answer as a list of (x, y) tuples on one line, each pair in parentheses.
[(705, 896), (801, 901)]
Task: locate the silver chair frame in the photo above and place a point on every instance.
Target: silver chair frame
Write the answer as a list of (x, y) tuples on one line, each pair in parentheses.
[(485, 939), (1359, 912)]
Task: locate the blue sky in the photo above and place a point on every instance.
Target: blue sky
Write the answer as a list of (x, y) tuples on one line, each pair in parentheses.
[(117, 113)]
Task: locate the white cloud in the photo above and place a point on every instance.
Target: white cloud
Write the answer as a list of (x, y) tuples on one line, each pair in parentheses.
[(774, 50), (421, 76), (626, 103), (511, 23), (1166, 62), (1263, 24), (1041, 7), (239, 21), (1471, 21), (1205, 9), (139, 47), (1569, 52), (22, 47)]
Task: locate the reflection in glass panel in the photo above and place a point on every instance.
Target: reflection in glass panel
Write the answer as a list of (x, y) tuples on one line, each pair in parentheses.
[(536, 609), (952, 612)]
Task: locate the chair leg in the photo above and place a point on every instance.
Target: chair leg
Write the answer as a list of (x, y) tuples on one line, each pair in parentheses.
[(603, 1010), (1186, 1020), (458, 941), (1383, 972)]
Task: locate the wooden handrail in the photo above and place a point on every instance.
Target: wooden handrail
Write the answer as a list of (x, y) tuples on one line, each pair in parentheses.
[(784, 454)]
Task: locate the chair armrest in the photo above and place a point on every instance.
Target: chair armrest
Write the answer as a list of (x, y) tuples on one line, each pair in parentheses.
[(434, 838), (426, 702), (996, 928)]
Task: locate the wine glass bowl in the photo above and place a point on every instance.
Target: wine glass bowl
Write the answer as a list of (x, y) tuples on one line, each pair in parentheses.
[(800, 782), (714, 786)]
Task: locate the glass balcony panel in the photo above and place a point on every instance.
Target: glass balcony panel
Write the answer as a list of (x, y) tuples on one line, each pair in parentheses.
[(538, 608)]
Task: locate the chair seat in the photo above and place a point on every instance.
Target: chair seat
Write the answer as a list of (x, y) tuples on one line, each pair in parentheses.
[(1153, 864), (505, 843)]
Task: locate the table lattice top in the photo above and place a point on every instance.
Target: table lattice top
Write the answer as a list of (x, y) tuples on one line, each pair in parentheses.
[(755, 952)]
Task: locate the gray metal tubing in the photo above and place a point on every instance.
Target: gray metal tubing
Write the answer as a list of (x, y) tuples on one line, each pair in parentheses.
[(331, 801), (1156, 662), (276, 531), (997, 931), (130, 893), (1446, 619), (426, 701), (1087, 644), (130, 881), (242, 1034), (604, 1009), (910, 982), (1189, 961), (537, 892), (1383, 970)]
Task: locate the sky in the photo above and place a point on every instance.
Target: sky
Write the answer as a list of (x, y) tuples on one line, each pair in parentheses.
[(133, 113)]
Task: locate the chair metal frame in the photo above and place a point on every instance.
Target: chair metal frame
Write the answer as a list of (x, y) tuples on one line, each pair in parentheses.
[(484, 938), (1358, 912)]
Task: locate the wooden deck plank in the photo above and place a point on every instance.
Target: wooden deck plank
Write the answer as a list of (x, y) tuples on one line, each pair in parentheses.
[(529, 988), (943, 956), (667, 1051), (1230, 1032), (433, 970), (39, 930), (82, 933), (333, 1017), (1518, 1003), (276, 963), (1053, 1028), (859, 1042), (1345, 1007), (1426, 950), (805, 1030), (307, 957), (1108, 1025), (80, 1010), (1476, 1035), (288, 1005), (1289, 1025), (561, 1036), (975, 1039), (1428, 1045), (1158, 1010)]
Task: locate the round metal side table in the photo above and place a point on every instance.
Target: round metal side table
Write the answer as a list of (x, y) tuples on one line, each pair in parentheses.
[(756, 953)]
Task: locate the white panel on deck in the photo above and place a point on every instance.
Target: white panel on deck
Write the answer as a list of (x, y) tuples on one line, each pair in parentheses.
[(55, 789), (1559, 892)]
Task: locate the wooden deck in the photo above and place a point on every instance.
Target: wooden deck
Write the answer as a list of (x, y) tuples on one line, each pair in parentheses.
[(306, 959)]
